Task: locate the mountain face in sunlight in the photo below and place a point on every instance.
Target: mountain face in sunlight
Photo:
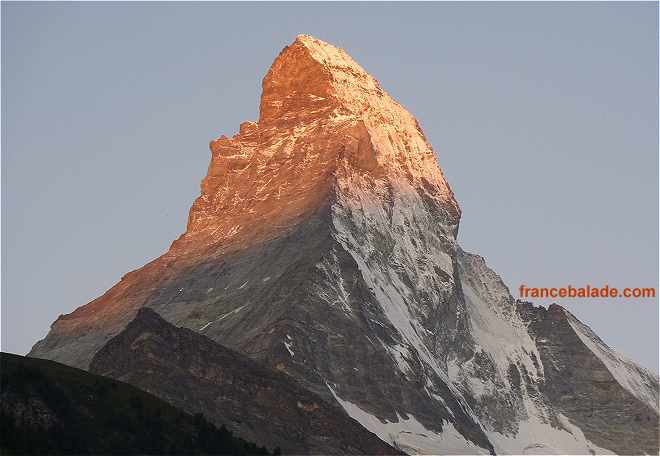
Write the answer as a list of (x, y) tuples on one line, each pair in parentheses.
[(323, 245)]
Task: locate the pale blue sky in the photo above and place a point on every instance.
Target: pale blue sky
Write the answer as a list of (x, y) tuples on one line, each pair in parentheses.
[(544, 117)]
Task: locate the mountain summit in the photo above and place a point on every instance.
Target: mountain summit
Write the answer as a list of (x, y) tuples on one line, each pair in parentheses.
[(323, 245), (321, 117)]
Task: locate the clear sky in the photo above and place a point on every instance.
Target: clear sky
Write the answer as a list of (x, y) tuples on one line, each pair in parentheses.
[(544, 118)]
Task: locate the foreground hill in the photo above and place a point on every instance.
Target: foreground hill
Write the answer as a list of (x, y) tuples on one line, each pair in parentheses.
[(262, 405), (49, 408)]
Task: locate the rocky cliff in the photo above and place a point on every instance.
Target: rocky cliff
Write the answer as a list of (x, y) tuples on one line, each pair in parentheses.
[(198, 375), (323, 245)]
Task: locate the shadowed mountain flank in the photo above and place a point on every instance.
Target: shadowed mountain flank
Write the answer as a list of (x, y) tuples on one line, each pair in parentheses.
[(200, 376)]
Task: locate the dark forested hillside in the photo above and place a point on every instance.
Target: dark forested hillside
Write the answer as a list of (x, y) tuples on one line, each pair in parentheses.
[(49, 408)]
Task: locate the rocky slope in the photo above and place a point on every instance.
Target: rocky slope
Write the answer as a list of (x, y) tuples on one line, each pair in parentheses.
[(323, 244), (614, 401), (200, 376)]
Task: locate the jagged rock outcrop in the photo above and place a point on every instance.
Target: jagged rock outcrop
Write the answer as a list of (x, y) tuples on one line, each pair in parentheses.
[(198, 375), (536, 382), (323, 244), (614, 401)]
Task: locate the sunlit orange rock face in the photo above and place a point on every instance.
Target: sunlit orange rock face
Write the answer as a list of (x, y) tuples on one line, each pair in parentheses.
[(320, 115), (325, 127)]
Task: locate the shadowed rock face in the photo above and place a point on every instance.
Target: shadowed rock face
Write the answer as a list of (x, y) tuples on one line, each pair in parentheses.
[(323, 244), (580, 385), (200, 376)]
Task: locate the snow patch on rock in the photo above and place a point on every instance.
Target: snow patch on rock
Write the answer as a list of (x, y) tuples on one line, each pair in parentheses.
[(535, 436), (222, 317), (411, 436), (288, 343)]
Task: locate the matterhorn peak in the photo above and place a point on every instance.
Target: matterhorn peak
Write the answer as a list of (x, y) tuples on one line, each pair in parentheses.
[(322, 116), (323, 246)]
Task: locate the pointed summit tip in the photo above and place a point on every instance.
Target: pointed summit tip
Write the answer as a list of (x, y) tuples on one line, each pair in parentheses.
[(311, 71), (303, 37), (319, 49)]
